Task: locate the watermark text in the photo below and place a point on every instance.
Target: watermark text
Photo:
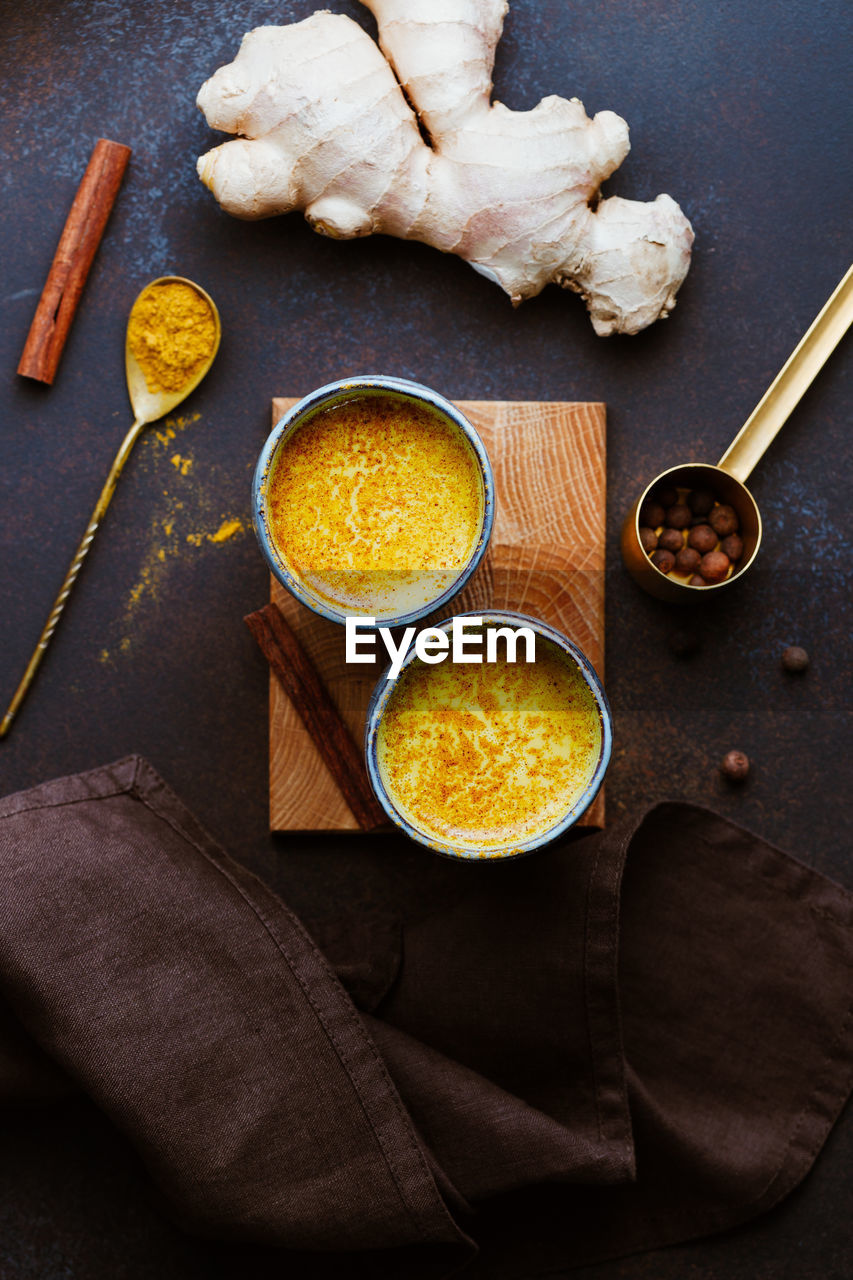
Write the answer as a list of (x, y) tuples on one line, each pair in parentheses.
[(464, 642)]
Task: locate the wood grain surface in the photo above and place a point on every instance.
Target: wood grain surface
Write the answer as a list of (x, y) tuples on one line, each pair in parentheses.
[(545, 558)]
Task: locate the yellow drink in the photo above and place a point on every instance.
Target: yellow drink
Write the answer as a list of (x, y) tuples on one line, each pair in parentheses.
[(376, 504), (489, 756)]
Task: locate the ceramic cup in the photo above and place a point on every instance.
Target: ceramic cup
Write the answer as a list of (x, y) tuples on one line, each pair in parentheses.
[(429, 589), (589, 693)]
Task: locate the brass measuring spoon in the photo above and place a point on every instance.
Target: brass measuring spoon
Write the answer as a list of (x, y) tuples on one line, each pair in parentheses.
[(147, 407), (727, 478)]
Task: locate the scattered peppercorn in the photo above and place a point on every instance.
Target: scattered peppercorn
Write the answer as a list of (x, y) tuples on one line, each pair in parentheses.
[(700, 501), (652, 514), (697, 581), (723, 520), (687, 560), (794, 658), (648, 539), (714, 566), (732, 546), (663, 560), (735, 766), (678, 516), (671, 540), (683, 642), (703, 538)]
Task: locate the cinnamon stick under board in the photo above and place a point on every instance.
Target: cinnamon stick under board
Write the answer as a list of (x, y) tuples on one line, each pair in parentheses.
[(73, 258), (318, 713)]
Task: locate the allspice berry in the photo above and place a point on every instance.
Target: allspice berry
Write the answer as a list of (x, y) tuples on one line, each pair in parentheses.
[(794, 658), (671, 540), (723, 520), (732, 546), (648, 539), (652, 514), (735, 766), (678, 516), (687, 560), (714, 566), (703, 538), (697, 581), (663, 560), (700, 501)]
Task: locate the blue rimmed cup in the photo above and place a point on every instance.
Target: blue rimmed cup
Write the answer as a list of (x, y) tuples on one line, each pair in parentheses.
[(441, 586), (576, 804)]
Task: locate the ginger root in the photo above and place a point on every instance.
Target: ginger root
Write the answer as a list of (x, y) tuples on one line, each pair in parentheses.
[(325, 125)]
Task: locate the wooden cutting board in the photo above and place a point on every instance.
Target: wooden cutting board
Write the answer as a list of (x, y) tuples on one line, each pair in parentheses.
[(545, 558)]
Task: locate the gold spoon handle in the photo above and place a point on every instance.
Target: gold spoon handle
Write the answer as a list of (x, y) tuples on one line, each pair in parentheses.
[(71, 576), (791, 382)]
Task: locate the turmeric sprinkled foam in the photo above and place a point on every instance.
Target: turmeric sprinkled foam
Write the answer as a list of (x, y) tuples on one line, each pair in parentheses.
[(489, 755), (376, 502)]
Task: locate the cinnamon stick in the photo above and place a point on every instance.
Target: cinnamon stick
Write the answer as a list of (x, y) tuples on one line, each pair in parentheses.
[(329, 732), (73, 258)]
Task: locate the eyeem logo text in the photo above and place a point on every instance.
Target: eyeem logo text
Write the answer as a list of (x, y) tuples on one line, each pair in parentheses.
[(464, 643)]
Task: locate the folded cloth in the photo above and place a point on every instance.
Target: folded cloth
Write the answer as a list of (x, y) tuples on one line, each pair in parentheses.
[(636, 1038)]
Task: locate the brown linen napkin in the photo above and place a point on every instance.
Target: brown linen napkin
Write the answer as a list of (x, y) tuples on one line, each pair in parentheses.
[(557, 1031)]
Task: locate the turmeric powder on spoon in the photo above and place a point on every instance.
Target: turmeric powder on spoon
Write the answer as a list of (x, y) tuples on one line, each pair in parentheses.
[(171, 333)]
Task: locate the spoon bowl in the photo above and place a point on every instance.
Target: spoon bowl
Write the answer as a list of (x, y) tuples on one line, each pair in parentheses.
[(691, 475), (148, 406)]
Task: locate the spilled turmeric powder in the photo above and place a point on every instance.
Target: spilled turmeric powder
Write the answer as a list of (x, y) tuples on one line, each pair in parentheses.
[(226, 530), (172, 333), (182, 464)]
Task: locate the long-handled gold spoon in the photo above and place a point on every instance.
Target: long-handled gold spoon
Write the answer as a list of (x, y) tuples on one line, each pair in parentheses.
[(147, 407), (727, 478)]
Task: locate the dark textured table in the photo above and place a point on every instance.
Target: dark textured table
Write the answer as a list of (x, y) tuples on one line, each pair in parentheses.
[(741, 111)]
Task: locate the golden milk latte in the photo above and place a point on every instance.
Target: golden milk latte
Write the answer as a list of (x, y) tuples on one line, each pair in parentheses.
[(376, 504), (489, 756)]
